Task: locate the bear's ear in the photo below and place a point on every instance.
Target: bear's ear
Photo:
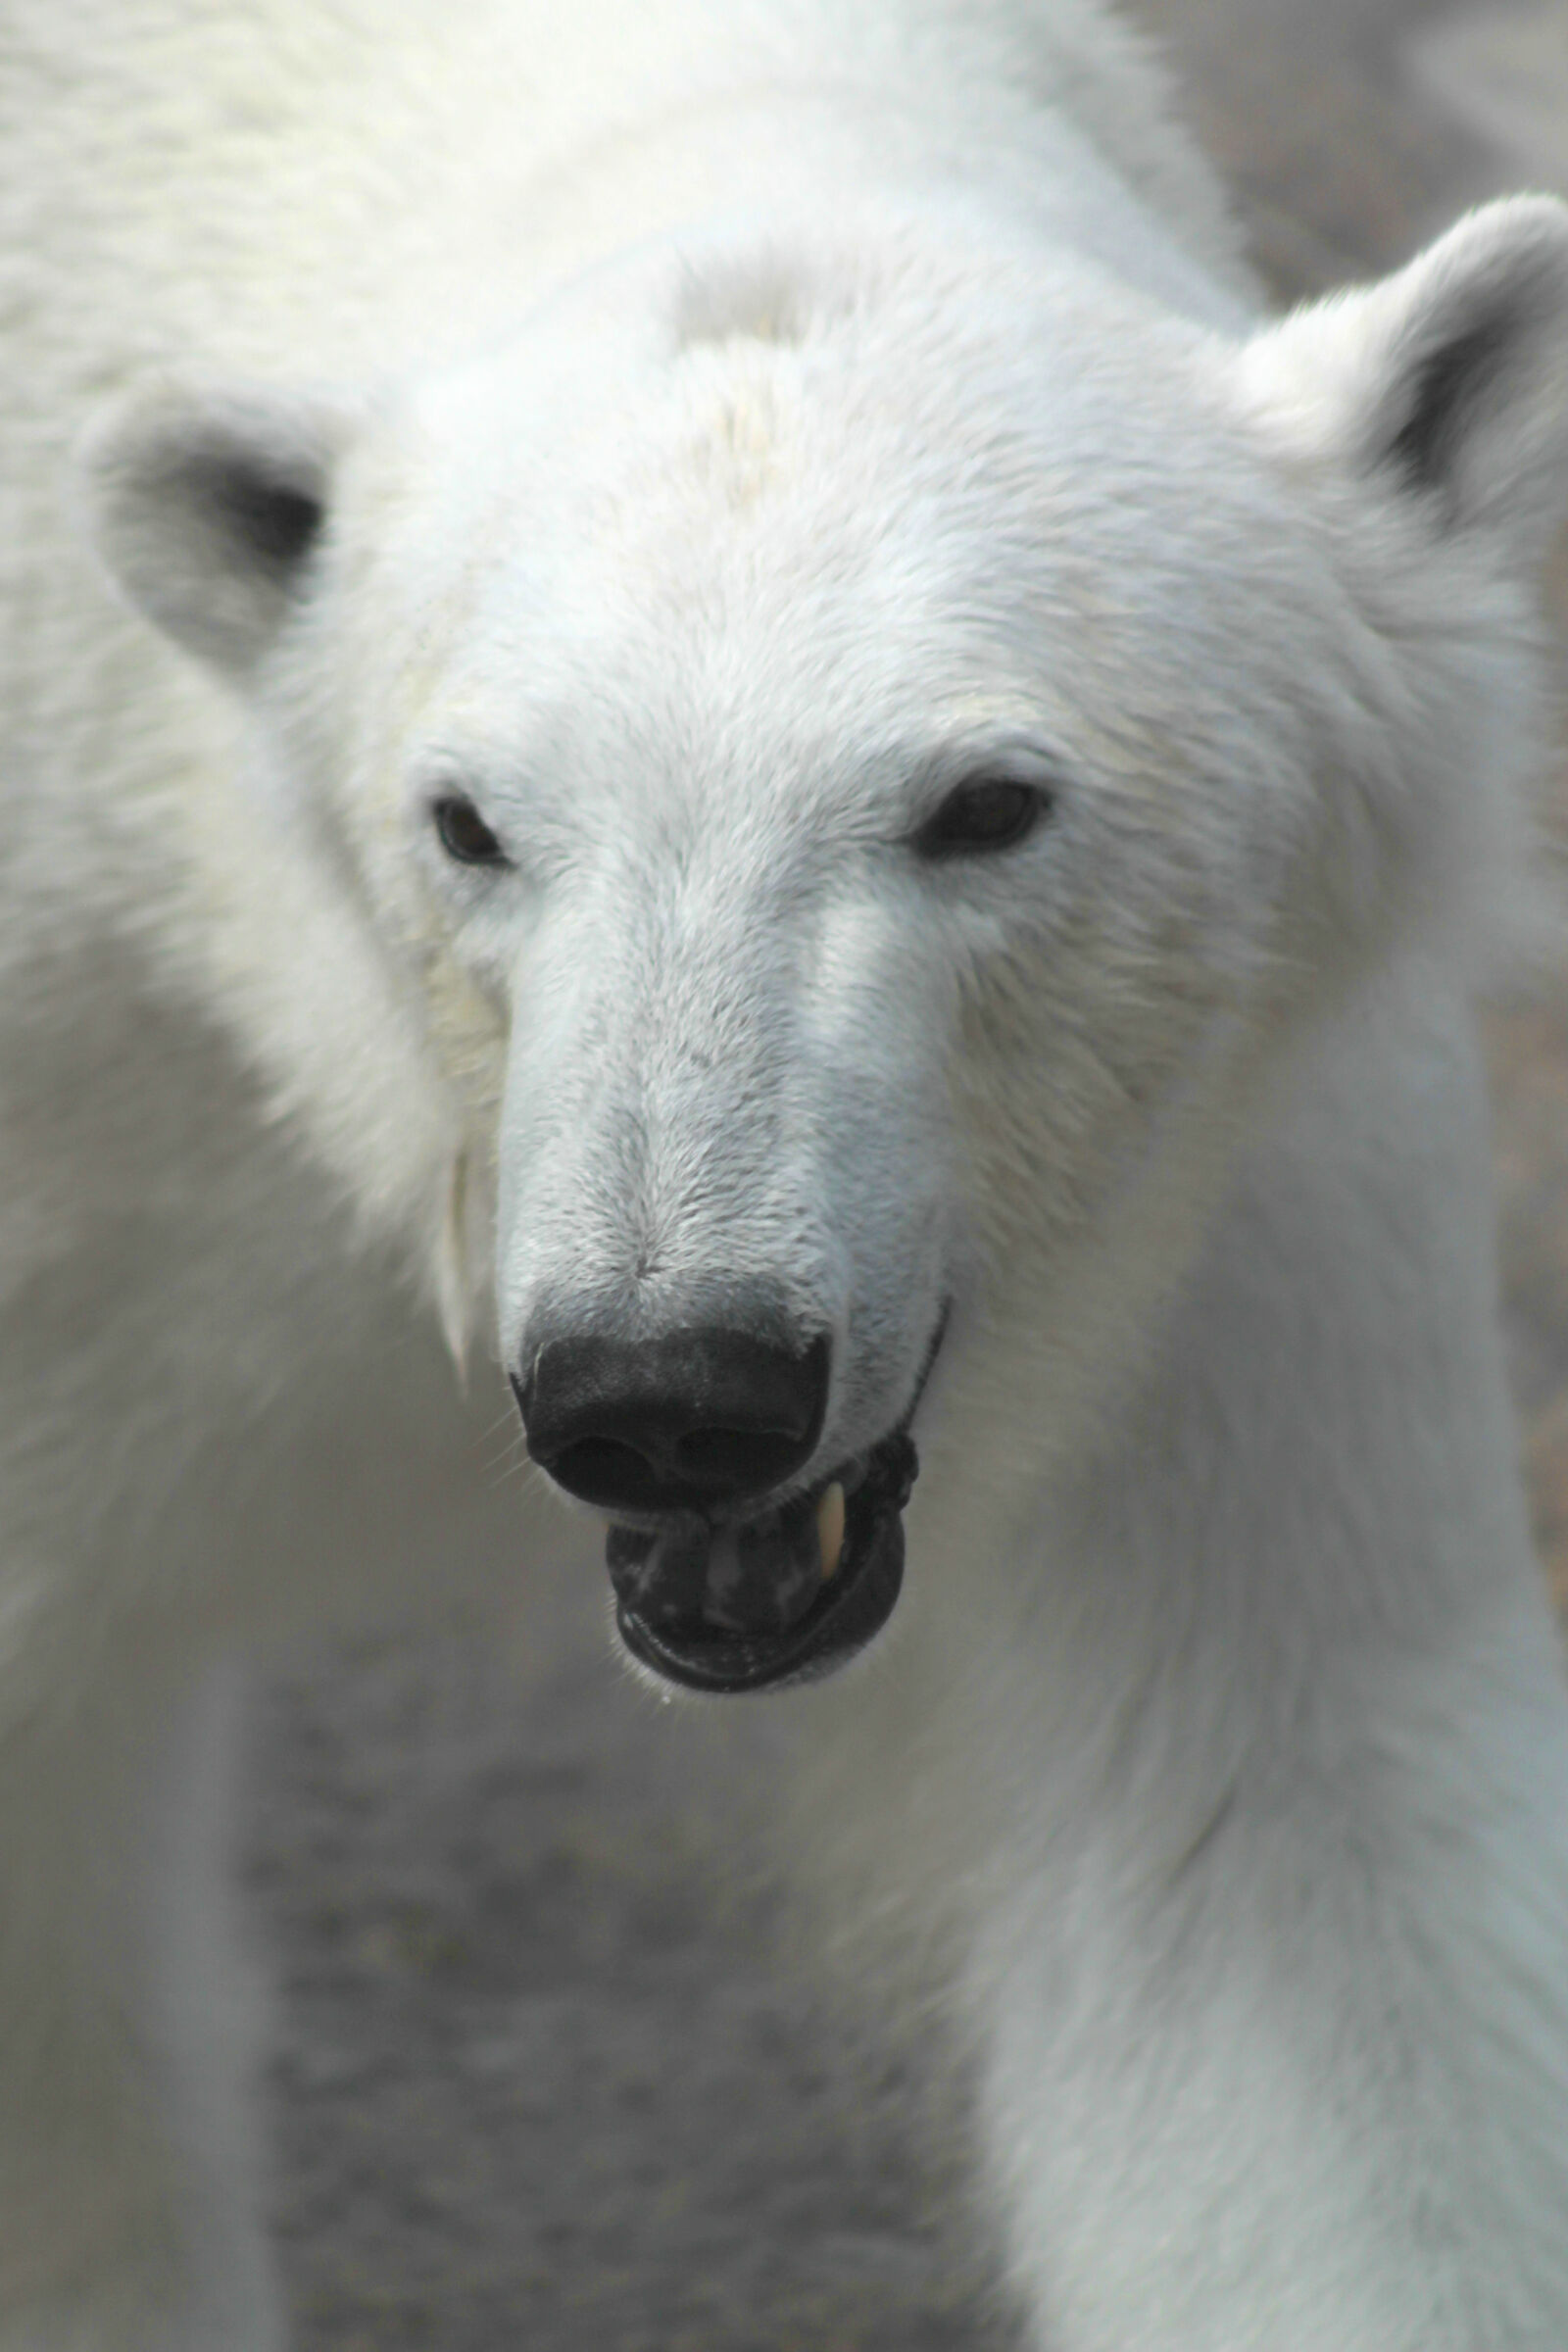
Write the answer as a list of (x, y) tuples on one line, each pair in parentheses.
[(1446, 383), (205, 503)]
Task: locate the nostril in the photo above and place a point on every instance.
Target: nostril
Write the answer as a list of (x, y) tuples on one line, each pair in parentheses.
[(689, 1420), (601, 1467), (737, 1458)]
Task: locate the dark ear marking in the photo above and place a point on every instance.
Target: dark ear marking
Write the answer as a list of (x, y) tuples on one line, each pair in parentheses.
[(207, 503), (278, 522), (1450, 386)]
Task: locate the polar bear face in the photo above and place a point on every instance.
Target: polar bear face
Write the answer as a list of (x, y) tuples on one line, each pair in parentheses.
[(862, 767)]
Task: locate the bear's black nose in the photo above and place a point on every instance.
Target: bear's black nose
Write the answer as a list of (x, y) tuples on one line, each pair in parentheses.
[(691, 1419)]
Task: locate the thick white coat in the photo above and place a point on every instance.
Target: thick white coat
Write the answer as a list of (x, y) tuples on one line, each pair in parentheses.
[(727, 413)]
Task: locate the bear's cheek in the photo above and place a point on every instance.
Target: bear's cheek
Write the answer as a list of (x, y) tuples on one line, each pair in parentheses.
[(467, 1026), (469, 1032), (467, 1016), (1065, 1052)]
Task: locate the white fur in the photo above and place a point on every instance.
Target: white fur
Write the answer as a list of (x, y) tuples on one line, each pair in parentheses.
[(734, 422)]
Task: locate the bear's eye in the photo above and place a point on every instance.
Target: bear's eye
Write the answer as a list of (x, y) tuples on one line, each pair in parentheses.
[(981, 814), (463, 833)]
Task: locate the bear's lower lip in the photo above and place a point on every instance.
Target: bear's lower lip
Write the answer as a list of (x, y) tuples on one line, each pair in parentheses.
[(672, 1619), (851, 1606)]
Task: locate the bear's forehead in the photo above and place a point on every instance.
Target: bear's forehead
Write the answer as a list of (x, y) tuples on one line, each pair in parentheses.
[(749, 483), (774, 540), (971, 399)]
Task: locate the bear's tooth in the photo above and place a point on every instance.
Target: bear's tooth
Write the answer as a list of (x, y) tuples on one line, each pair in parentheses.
[(830, 1529)]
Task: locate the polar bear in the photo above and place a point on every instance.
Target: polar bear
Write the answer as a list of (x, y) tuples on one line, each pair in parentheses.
[(690, 687)]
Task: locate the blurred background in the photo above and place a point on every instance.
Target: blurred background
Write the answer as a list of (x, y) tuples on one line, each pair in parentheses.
[(544, 2075)]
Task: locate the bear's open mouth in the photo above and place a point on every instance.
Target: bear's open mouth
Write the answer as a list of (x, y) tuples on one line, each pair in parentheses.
[(783, 1598)]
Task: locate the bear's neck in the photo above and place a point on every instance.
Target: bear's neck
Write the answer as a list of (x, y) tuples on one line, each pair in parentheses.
[(1318, 1452), (1299, 1527), (1321, 1454)]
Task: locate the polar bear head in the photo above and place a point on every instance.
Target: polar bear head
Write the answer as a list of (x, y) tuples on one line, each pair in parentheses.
[(858, 760)]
